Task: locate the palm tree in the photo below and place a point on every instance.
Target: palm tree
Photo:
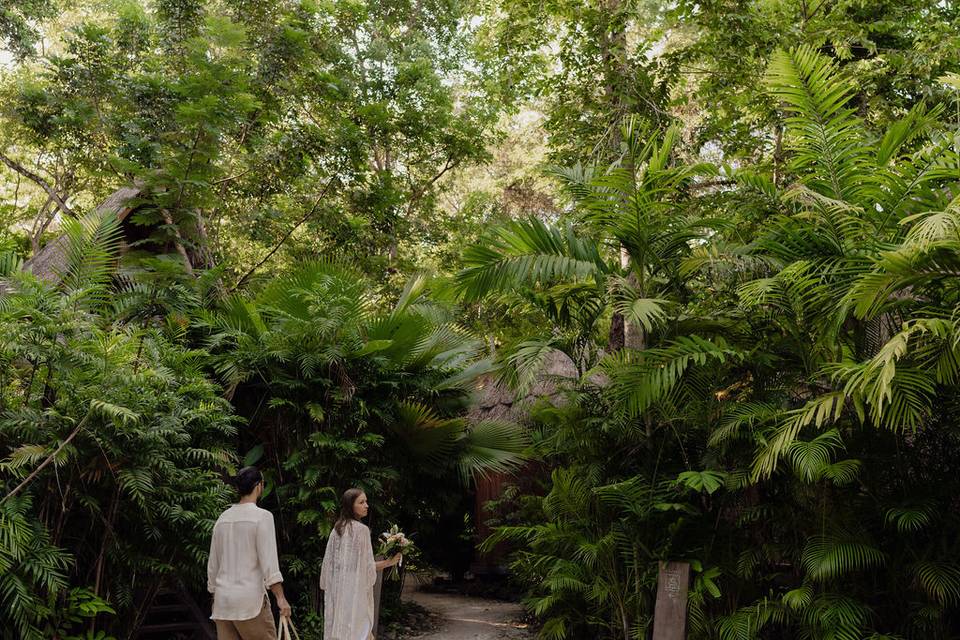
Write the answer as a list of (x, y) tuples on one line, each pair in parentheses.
[(801, 421), (618, 259), (857, 208), (319, 325), (341, 389), (851, 311)]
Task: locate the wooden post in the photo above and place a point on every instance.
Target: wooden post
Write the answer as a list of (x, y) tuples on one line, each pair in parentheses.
[(670, 614)]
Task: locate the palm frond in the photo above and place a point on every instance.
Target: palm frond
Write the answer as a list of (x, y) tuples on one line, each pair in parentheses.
[(10, 263), (747, 623), (426, 436), (826, 557), (743, 415), (492, 447), (897, 394), (939, 580), (819, 411), (909, 518), (702, 481), (527, 253), (823, 134), (522, 365), (812, 458), (92, 246), (635, 308), (637, 380)]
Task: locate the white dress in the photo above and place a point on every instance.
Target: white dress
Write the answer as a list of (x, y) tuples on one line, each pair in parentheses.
[(347, 578)]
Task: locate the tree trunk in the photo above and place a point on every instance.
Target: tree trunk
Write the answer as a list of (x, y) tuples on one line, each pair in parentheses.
[(617, 338), (613, 46), (778, 155), (40, 224), (178, 240), (634, 336)]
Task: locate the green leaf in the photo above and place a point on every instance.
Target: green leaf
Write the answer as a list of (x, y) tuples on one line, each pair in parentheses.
[(708, 481), (825, 557), (253, 456), (373, 346)]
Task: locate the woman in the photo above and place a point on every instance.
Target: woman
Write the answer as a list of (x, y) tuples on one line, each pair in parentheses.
[(243, 565), (349, 573)]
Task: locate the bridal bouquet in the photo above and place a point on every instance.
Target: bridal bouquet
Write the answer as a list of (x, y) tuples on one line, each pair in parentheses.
[(394, 541)]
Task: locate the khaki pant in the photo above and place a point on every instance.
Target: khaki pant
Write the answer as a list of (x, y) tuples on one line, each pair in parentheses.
[(259, 628)]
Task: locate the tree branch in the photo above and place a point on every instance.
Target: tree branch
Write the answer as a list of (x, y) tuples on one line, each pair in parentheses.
[(420, 191), (29, 175), (177, 240), (286, 236), (49, 458), (233, 177)]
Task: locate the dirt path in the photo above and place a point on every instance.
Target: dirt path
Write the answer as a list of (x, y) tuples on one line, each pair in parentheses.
[(471, 618)]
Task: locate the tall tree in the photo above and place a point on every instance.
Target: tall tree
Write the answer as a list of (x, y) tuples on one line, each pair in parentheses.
[(586, 62), (260, 129), (717, 52)]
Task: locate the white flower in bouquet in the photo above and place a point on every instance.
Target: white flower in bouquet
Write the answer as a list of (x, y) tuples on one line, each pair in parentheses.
[(393, 541)]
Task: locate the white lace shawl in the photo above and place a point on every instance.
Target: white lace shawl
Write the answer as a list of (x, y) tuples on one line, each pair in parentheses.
[(347, 578)]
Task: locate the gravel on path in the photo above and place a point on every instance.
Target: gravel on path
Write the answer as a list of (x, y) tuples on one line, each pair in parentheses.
[(466, 618)]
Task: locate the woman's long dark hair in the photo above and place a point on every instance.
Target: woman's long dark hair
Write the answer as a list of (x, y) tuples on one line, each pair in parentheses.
[(247, 480), (349, 498)]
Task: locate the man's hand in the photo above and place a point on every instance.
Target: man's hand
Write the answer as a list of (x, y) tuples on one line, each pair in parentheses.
[(282, 603), (284, 607)]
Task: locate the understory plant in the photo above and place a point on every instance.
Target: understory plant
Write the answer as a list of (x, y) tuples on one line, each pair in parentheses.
[(341, 389), (783, 420), (112, 440)]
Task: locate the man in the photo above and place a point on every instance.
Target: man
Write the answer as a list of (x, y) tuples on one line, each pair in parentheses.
[(243, 565)]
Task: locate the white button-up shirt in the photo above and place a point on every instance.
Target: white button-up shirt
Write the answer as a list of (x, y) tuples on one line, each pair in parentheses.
[(243, 562)]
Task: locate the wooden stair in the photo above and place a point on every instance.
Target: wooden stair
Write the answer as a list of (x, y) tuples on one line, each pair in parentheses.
[(175, 615)]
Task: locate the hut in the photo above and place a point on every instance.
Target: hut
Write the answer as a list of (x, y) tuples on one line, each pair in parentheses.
[(494, 401), (51, 261)]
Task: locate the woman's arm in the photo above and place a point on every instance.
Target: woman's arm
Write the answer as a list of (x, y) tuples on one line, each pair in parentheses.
[(383, 564), (366, 564), (326, 567)]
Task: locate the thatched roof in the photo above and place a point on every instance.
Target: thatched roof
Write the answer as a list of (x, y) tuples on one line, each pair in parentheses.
[(51, 260), (497, 402)]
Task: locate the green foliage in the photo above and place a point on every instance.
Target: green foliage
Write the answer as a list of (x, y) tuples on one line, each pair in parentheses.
[(586, 60), (720, 52), (18, 25), (789, 414), (765, 346), (255, 127), (119, 436), (342, 391), (136, 435)]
